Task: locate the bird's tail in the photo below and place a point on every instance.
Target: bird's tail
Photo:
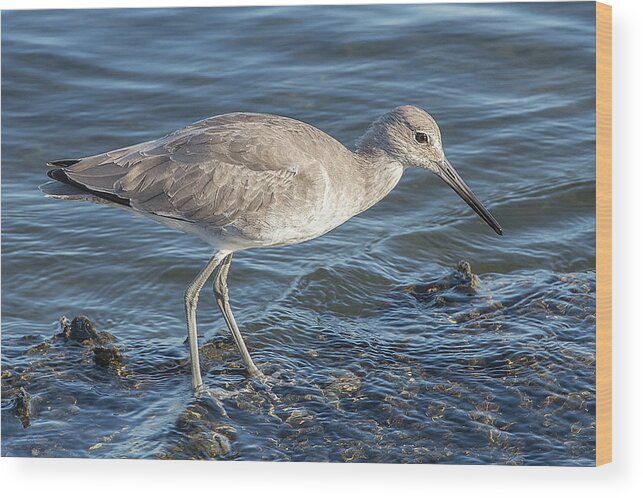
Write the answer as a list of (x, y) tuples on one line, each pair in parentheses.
[(62, 187)]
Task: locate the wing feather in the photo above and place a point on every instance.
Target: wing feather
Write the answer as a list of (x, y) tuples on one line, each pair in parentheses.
[(214, 171)]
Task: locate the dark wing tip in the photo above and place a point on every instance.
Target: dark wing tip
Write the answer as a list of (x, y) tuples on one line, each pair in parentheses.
[(60, 175), (57, 174)]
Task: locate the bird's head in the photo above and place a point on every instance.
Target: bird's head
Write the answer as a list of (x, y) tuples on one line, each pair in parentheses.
[(410, 136)]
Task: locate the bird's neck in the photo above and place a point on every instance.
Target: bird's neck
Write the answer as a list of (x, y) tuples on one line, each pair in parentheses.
[(379, 174)]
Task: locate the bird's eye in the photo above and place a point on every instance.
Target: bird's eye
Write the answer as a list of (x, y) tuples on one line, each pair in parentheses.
[(421, 138)]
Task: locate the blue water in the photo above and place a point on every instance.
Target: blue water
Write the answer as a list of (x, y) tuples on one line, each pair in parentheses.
[(376, 346)]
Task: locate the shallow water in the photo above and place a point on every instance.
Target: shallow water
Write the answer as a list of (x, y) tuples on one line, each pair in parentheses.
[(376, 345)]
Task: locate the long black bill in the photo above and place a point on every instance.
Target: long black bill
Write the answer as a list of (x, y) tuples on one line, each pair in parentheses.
[(449, 175)]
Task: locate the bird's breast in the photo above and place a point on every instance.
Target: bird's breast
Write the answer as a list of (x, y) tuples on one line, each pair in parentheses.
[(318, 200)]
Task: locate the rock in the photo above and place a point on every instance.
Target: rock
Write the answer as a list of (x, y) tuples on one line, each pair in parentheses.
[(23, 407), (462, 280), (298, 417), (215, 350), (343, 385), (464, 267), (104, 337), (109, 357), (39, 348), (202, 433), (80, 329)]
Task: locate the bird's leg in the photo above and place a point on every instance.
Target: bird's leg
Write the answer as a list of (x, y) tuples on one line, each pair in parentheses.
[(221, 294), (191, 299)]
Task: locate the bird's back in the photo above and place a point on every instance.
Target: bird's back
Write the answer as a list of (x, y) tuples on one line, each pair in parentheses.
[(256, 178)]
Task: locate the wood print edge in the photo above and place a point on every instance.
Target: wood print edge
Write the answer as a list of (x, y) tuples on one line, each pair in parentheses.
[(603, 233)]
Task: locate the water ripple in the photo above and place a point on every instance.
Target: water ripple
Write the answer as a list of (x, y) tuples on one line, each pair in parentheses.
[(376, 344)]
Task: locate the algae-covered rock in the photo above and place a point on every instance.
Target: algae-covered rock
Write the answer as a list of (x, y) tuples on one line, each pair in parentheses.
[(343, 385), (106, 357), (109, 357), (449, 287), (469, 280), (203, 433), (80, 329), (299, 417), (23, 407), (39, 348), (105, 337)]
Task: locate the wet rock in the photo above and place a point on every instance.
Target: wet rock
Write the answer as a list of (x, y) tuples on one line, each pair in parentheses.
[(574, 402), (355, 453), (80, 329), (576, 428), (13, 382), (436, 410), (250, 402), (498, 438), (23, 407), (299, 417), (109, 357), (189, 416), (202, 433), (343, 385), (105, 337), (462, 280), (201, 445), (214, 350), (112, 358), (470, 279), (39, 349)]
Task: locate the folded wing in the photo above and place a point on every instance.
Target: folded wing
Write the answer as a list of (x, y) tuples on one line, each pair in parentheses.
[(213, 171)]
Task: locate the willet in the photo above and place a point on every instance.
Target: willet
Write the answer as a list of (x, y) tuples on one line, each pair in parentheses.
[(246, 180)]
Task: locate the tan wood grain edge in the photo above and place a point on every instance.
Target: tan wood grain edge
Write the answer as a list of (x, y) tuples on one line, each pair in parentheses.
[(603, 233)]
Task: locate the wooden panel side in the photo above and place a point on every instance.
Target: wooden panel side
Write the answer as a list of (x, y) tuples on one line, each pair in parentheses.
[(603, 233)]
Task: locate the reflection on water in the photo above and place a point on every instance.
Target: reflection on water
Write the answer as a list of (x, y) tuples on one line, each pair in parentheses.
[(377, 345)]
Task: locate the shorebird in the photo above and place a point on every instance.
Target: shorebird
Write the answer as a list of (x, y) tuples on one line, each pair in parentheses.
[(246, 180)]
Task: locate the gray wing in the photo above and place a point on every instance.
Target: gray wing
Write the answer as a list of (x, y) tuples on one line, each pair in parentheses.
[(214, 171)]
